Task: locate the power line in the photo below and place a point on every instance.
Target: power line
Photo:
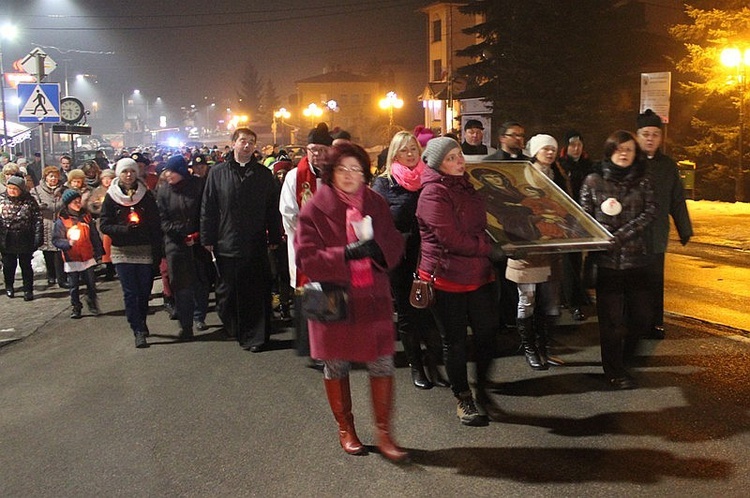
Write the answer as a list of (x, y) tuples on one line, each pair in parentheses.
[(357, 9)]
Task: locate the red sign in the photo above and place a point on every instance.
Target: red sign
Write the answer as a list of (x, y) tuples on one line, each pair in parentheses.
[(14, 79)]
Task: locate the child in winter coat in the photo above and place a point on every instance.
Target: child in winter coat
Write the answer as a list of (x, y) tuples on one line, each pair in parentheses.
[(76, 235)]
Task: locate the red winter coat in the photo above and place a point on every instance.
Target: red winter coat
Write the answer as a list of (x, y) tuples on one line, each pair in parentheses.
[(452, 218), (368, 333)]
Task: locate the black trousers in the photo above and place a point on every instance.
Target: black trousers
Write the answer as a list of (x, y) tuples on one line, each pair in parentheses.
[(243, 298), (572, 285), (454, 312), (53, 263), (415, 326), (10, 262), (625, 309)]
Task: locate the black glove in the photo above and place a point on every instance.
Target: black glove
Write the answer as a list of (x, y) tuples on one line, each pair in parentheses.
[(365, 249), (497, 254), (518, 254), (133, 227)]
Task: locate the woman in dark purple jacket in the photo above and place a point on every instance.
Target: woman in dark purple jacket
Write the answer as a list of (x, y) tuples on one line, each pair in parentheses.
[(346, 236), (456, 249)]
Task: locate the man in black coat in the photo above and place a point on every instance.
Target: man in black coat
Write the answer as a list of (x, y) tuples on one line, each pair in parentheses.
[(670, 199), (240, 221)]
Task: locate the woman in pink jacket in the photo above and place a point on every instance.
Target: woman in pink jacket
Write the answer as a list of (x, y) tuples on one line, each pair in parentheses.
[(334, 244)]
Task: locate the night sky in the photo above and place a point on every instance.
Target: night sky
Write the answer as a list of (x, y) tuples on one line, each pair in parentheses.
[(193, 51)]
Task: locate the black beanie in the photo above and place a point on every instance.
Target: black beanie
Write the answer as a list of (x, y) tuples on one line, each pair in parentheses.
[(649, 118), (320, 135)]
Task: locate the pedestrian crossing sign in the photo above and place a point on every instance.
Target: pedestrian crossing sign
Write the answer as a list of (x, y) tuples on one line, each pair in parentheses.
[(39, 102)]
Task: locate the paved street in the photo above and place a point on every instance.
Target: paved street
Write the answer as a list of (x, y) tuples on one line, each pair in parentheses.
[(83, 413)]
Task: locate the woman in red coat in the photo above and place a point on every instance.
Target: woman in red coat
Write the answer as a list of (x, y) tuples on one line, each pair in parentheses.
[(346, 236)]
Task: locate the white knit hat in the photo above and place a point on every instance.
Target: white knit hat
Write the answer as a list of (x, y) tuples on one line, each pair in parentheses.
[(125, 164), (538, 141)]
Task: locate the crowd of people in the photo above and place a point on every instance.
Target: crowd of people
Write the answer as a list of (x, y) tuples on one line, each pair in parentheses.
[(257, 229)]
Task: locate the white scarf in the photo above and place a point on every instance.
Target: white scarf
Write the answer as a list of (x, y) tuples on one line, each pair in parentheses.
[(123, 199)]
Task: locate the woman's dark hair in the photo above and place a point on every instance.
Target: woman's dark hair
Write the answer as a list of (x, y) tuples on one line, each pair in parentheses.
[(346, 149), (618, 138)]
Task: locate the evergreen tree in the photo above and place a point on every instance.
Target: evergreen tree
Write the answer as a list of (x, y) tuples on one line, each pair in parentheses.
[(250, 91), (556, 64), (712, 94), (269, 101)]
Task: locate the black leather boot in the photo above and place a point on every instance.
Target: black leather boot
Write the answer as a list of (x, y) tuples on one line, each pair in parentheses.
[(433, 353), (414, 355), (542, 324), (528, 343)]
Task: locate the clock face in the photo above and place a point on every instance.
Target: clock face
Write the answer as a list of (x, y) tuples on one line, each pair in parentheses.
[(71, 109)]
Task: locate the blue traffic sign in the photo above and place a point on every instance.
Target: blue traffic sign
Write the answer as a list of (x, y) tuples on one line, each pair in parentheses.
[(39, 102)]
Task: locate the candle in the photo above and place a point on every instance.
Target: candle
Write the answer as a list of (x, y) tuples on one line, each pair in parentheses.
[(74, 233), (134, 218)]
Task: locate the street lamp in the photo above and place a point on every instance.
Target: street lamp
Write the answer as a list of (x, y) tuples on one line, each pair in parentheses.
[(390, 102), (332, 107), (312, 111), (281, 114), (7, 31), (734, 57)]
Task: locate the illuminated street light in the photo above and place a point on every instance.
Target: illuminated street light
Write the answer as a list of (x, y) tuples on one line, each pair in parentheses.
[(7, 32), (332, 107), (733, 57), (282, 115), (312, 111), (390, 102)]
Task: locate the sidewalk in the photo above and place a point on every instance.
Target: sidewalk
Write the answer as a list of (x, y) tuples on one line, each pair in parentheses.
[(19, 318)]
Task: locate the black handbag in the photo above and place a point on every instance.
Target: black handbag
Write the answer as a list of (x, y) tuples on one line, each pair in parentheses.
[(325, 302)]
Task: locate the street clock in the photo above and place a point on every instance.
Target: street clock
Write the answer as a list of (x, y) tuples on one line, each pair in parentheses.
[(71, 110)]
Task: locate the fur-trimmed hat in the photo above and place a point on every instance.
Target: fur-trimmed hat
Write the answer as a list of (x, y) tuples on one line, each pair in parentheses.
[(436, 150), (75, 174)]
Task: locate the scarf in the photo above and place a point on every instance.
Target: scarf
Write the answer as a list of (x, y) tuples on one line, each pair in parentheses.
[(130, 198), (410, 179), (360, 269)]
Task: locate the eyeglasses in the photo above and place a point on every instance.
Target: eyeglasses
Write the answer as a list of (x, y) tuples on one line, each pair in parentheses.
[(514, 135), (316, 149), (344, 169)]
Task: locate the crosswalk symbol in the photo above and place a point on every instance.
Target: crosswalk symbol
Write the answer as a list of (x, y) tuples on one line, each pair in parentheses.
[(40, 103)]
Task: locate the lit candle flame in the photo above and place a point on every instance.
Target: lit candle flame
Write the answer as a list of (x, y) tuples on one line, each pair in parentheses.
[(74, 233)]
